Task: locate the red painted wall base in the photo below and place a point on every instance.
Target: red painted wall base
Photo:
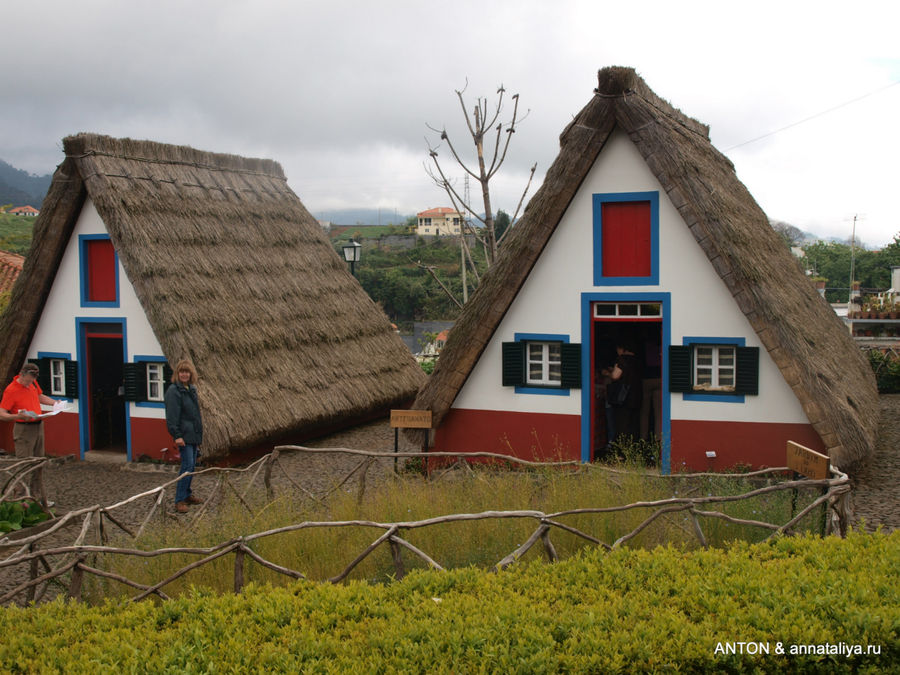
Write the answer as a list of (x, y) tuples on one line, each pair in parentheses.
[(524, 435), (754, 444), (534, 436)]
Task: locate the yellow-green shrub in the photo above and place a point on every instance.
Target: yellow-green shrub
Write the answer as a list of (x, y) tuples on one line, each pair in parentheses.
[(628, 611)]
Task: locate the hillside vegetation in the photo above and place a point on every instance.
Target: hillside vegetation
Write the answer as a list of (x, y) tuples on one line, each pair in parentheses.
[(15, 233)]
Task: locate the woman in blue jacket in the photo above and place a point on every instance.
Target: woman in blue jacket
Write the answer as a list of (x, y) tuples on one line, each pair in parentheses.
[(186, 426)]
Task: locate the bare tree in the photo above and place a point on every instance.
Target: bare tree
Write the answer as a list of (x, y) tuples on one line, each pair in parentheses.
[(483, 125)]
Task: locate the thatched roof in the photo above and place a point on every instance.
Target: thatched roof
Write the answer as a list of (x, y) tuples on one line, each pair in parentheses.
[(235, 274), (817, 357)]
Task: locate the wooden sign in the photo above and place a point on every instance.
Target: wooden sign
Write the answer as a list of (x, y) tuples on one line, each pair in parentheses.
[(808, 462), (410, 419)]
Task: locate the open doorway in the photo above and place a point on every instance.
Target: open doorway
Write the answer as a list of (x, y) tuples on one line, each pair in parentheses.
[(639, 327), (104, 348)]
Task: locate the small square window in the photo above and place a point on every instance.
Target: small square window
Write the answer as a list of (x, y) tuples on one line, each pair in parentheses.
[(155, 382), (714, 367), (544, 363), (57, 377)]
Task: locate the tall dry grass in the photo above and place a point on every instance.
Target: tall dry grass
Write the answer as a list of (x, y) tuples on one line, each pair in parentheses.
[(321, 553)]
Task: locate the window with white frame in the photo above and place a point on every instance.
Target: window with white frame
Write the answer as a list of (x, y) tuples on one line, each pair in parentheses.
[(155, 382), (57, 377), (714, 367), (543, 363)]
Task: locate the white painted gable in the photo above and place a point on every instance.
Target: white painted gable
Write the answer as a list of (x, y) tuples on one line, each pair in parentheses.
[(56, 330), (550, 302)]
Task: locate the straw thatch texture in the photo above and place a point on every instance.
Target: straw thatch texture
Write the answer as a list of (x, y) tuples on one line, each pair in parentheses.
[(808, 342), (235, 274)]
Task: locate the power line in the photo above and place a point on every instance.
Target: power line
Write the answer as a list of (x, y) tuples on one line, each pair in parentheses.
[(812, 117)]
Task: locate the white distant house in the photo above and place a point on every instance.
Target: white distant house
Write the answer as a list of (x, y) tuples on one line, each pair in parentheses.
[(439, 221), (26, 210)]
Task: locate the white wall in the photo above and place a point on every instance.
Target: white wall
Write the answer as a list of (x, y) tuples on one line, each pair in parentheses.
[(56, 328), (550, 302)]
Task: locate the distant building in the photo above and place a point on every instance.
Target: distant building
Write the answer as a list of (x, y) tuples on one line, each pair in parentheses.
[(24, 211), (439, 221)]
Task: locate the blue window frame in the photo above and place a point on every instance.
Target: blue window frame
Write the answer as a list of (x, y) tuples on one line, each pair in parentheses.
[(602, 278), (89, 272), (696, 343)]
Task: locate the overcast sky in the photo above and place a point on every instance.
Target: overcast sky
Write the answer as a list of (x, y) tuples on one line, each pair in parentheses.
[(340, 91)]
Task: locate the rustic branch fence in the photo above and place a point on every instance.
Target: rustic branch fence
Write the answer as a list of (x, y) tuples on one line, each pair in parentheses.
[(72, 560)]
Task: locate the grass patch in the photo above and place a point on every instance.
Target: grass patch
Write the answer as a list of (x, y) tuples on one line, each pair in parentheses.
[(323, 552)]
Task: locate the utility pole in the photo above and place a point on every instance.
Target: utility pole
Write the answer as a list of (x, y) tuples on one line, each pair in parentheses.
[(853, 256)]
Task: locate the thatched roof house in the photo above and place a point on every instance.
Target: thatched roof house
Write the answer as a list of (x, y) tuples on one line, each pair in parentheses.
[(664, 158), (228, 269)]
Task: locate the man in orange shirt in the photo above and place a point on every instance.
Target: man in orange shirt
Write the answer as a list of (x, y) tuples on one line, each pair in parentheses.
[(21, 403)]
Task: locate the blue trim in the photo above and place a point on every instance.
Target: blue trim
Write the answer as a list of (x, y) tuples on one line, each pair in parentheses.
[(54, 355), (598, 201), (57, 355), (689, 340), (537, 389), (150, 359), (83, 270), (587, 321), (81, 326)]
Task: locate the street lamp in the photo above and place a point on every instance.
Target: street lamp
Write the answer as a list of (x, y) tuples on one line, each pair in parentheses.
[(352, 251)]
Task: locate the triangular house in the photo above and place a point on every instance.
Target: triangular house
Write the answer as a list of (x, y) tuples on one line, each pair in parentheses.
[(642, 229), (146, 253)]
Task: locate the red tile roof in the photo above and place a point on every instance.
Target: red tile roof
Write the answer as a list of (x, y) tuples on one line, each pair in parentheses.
[(436, 212)]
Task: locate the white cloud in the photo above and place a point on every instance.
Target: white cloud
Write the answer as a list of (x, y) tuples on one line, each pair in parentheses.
[(340, 92)]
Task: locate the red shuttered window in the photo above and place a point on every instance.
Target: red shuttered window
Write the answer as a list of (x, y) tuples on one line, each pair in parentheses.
[(626, 244)]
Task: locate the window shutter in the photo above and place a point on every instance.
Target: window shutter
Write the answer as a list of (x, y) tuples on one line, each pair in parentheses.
[(167, 376), (513, 364), (135, 381), (680, 377), (43, 378), (71, 371), (571, 366), (747, 376)]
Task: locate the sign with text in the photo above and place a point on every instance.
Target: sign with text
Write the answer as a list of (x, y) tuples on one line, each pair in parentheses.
[(410, 419), (808, 462)]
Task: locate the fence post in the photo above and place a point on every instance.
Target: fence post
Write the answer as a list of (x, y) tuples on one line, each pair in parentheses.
[(398, 558), (77, 577), (239, 566)]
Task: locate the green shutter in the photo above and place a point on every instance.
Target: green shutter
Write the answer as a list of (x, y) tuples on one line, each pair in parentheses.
[(43, 378), (680, 376), (135, 381), (167, 376), (747, 376), (513, 364), (71, 371), (571, 366)]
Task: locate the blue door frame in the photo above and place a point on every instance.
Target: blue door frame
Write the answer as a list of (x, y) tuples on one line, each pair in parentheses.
[(82, 328), (587, 323)]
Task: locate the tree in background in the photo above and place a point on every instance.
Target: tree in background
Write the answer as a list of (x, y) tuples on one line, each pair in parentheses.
[(501, 224), (483, 125), (831, 260), (793, 236)]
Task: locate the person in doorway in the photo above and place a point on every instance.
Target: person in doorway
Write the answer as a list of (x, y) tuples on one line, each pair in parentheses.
[(185, 424), (21, 403), (626, 373), (652, 388)]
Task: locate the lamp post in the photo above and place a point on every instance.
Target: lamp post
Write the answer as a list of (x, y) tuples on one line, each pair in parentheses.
[(352, 250)]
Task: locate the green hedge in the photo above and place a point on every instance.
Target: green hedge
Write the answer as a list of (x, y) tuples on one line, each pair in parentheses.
[(629, 611)]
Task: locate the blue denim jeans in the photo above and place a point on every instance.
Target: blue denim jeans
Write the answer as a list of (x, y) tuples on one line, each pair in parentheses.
[(188, 461)]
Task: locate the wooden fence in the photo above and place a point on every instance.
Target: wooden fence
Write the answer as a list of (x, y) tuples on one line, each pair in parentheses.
[(73, 560)]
